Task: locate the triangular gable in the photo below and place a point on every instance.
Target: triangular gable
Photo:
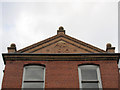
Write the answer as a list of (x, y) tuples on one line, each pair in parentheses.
[(61, 43)]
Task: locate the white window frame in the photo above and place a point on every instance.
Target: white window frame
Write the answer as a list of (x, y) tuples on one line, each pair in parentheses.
[(24, 75), (98, 75)]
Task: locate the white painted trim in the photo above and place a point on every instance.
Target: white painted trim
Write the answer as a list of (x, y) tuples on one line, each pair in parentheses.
[(44, 77), (80, 77), (23, 77), (99, 78)]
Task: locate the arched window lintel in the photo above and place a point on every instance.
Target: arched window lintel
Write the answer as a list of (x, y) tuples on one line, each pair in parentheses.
[(88, 64), (34, 64)]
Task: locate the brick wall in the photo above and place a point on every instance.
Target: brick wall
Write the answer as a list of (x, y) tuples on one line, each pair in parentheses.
[(60, 74)]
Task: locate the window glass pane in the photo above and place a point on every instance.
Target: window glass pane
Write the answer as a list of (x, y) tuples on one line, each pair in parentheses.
[(33, 85), (34, 73), (89, 74), (91, 88), (90, 85)]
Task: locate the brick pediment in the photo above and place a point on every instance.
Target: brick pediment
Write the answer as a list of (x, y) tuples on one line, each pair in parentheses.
[(61, 43)]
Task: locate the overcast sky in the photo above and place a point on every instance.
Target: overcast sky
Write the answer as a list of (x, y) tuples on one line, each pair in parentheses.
[(25, 23)]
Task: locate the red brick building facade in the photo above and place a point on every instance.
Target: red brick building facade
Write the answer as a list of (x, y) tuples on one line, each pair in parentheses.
[(66, 63)]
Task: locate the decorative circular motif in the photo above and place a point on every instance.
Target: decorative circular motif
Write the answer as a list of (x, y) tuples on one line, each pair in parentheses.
[(61, 47)]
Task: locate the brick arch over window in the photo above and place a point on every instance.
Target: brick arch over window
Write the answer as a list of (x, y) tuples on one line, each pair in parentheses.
[(89, 76), (37, 64), (33, 76), (89, 64)]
